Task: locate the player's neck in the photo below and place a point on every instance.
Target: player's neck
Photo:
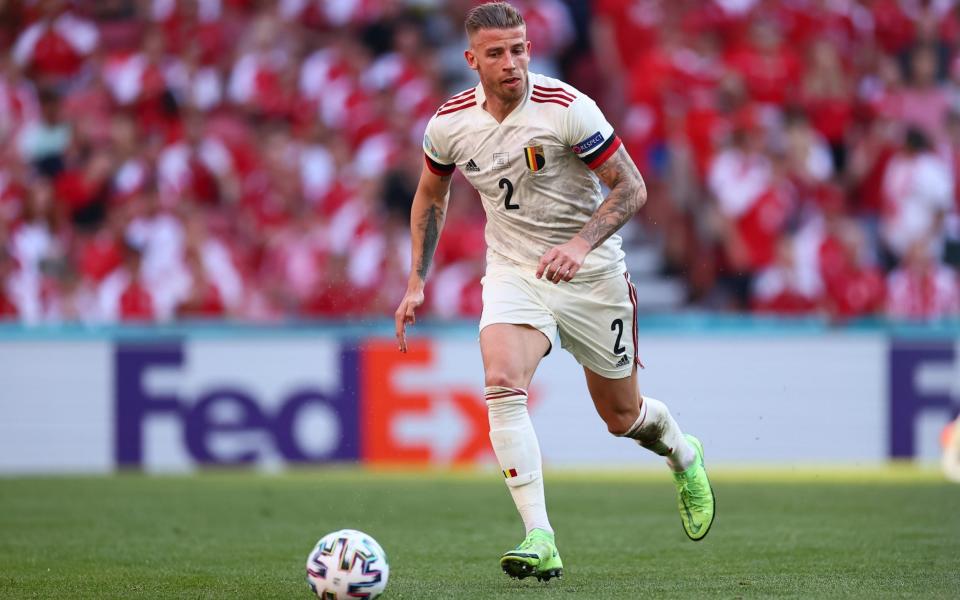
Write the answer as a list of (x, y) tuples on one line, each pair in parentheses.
[(498, 108)]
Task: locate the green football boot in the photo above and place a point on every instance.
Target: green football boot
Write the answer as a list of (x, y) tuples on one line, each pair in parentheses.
[(695, 497), (536, 556)]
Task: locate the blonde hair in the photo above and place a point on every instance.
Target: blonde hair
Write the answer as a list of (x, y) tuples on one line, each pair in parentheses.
[(492, 15)]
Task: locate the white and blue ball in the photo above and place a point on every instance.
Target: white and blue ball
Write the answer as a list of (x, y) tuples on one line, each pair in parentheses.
[(347, 564)]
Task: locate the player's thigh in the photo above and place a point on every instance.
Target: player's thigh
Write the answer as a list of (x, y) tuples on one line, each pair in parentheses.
[(511, 353), (597, 325), (617, 400), (516, 327)]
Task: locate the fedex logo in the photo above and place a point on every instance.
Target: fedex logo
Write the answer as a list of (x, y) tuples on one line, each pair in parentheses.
[(230, 421), (924, 381), (424, 406), (250, 403)]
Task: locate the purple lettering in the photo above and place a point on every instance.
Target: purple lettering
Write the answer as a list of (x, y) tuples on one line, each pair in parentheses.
[(907, 401), (228, 411), (283, 427), (133, 402), (201, 423)]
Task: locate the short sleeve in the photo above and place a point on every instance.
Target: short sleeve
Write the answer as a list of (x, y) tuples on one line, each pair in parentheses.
[(589, 134), (435, 151)]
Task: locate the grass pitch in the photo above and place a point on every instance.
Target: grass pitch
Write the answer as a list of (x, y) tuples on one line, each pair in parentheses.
[(240, 535)]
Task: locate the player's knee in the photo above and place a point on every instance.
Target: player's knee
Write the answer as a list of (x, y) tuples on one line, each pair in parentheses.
[(620, 422), (502, 378)]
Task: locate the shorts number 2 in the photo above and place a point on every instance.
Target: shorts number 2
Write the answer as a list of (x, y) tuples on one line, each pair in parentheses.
[(617, 326)]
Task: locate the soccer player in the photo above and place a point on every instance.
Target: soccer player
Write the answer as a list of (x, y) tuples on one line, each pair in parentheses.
[(536, 150)]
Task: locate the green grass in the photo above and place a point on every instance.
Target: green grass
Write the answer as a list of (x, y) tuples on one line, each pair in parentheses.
[(240, 535)]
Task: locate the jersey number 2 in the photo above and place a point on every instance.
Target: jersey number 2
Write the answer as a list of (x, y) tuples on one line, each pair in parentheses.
[(505, 183), (617, 326)]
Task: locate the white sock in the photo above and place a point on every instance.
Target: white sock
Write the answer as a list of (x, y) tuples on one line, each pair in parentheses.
[(518, 451), (656, 430)]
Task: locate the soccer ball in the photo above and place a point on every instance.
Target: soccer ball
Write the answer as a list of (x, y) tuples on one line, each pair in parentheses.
[(347, 564)]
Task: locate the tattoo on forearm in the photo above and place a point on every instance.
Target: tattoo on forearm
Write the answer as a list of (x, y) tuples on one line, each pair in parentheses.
[(430, 232), (627, 194)]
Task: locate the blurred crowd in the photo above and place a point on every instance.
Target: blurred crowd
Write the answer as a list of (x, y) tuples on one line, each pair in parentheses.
[(256, 160), (802, 153)]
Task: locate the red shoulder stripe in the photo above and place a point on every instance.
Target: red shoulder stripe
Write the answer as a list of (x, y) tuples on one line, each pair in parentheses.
[(460, 97), (543, 87), (537, 90), (559, 91), (456, 108), (457, 102), (463, 93), (545, 100), (543, 96)]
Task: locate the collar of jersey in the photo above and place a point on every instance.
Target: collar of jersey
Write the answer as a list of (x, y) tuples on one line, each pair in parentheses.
[(481, 96)]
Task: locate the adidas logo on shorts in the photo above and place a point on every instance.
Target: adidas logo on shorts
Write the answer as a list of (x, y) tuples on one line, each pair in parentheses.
[(472, 167), (624, 361)]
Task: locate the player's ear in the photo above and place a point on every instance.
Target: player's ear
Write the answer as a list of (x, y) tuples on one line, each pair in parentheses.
[(471, 59)]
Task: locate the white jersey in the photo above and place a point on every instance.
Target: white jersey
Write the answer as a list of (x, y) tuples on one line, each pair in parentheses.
[(534, 171)]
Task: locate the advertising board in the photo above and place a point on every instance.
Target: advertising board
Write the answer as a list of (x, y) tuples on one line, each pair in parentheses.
[(173, 404)]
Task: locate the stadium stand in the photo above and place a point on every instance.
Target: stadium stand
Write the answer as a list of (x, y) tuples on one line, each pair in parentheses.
[(182, 159)]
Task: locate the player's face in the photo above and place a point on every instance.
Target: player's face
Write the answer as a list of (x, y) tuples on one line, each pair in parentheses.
[(500, 57)]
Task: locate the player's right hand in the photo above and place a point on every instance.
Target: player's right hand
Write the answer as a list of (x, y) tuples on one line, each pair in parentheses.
[(406, 314)]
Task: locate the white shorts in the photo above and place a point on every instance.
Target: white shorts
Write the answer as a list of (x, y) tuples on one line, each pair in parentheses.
[(596, 320)]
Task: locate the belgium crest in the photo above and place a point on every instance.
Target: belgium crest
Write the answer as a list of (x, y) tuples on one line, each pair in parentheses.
[(534, 158)]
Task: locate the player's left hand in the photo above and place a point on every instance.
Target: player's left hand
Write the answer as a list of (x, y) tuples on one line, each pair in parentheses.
[(562, 262)]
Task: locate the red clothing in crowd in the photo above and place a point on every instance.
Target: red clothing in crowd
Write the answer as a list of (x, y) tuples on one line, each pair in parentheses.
[(56, 47), (463, 239), (136, 303), (206, 30), (76, 191), (806, 21), (98, 257), (892, 28), (832, 117), (923, 294), (869, 193), (13, 196), (787, 302), (8, 309), (770, 77), (636, 26), (851, 290), (336, 299), (206, 304), (749, 198), (760, 226), (704, 127)]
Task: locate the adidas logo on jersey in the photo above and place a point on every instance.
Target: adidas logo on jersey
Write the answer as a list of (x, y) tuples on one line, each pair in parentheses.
[(471, 167), (624, 361)]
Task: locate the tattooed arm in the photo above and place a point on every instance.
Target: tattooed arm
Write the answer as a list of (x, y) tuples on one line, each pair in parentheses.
[(627, 194), (426, 221)]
